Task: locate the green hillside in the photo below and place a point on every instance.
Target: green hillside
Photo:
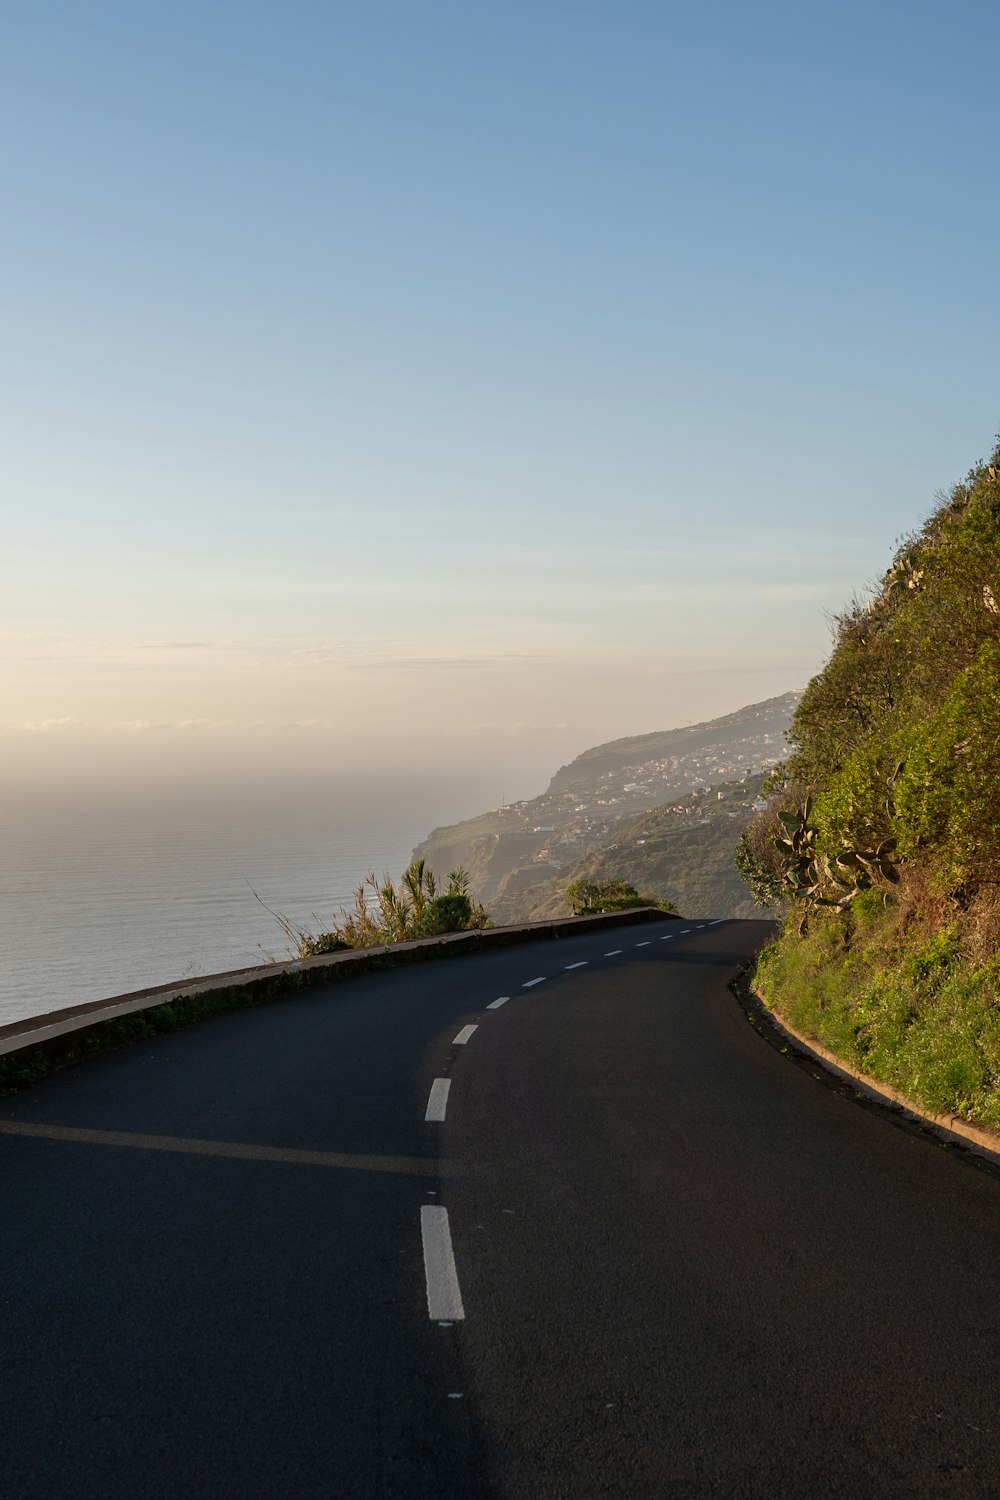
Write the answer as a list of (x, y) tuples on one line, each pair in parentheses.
[(682, 851), (521, 856), (883, 830)]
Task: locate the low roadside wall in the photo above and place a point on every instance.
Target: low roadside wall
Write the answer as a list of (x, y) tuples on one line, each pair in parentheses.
[(31, 1048)]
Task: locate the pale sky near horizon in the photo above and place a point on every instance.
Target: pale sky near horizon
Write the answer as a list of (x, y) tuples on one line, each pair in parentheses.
[(392, 384)]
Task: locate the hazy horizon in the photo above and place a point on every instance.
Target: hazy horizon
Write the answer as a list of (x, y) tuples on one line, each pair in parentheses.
[(452, 389), (110, 884), (456, 788)]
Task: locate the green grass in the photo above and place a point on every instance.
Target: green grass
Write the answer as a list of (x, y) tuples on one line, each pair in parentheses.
[(917, 1016)]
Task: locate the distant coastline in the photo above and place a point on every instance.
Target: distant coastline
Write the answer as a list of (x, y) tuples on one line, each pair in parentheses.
[(105, 896), (661, 810)]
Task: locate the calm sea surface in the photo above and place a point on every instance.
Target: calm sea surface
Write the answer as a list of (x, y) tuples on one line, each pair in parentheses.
[(102, 893)]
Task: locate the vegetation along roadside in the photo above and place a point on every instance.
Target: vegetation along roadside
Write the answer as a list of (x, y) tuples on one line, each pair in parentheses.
[(385, 913), (881, 833)]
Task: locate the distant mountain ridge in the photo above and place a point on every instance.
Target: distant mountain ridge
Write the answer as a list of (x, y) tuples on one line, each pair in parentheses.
[(769, 718), (521, 855)]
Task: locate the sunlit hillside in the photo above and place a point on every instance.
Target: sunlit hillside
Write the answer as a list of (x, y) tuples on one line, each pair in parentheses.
[(883, 832)]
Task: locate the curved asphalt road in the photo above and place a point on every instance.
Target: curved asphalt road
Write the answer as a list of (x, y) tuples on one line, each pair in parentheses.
[(686, 1268)]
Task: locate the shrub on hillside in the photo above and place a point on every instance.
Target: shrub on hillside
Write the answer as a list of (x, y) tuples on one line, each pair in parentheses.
[(948, 793), (385, 913), (586, 897)]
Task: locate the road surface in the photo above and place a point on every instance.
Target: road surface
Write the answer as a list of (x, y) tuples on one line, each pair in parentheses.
[(552, 1220)]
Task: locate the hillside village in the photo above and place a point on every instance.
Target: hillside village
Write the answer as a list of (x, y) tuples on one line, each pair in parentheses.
[(517, 851)]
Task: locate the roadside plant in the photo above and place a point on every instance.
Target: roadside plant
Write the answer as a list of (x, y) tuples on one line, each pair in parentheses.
[(890, 855), (586, 897), (833, 879), (384, 913)]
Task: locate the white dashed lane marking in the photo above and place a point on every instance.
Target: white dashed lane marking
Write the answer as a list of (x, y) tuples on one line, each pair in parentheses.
[(444, 1299), (437, 1103)]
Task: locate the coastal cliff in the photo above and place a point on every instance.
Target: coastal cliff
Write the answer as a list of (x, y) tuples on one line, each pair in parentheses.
[(662, 810)]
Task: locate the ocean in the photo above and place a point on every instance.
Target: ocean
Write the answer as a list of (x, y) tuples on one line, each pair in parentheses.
[(103, 891)]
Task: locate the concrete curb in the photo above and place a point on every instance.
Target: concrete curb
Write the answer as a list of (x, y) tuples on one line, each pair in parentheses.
[(979, 1138), (37, 1045)]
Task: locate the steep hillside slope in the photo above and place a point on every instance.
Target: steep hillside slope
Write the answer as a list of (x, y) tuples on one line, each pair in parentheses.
[(728, 746), (518, 855), (682, 851), (887, 818)]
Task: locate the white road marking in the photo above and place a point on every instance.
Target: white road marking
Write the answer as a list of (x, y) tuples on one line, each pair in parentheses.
[(667, 938), (717, 921), (684, 932), (444, 1300), (528, 983), (437, 1101), (496, 1004), (463, 1036), (581, 965), (642, 945), (614, 953)]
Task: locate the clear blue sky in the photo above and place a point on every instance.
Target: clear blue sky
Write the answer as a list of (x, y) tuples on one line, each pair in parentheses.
[(471, 380)]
